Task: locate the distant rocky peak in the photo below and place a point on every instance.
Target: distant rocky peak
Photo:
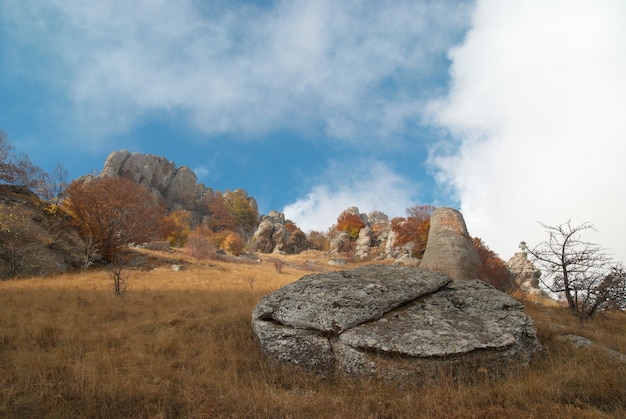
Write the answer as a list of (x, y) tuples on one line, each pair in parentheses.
[(175, 187)]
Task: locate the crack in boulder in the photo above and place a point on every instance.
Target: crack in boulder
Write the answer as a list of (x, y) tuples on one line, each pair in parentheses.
[(334, 302)]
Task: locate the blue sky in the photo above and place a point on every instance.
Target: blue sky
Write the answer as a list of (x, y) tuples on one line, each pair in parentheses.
[(512, 112)]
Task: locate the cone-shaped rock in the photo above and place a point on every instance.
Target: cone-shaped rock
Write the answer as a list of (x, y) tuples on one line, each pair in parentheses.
[(449, 248)]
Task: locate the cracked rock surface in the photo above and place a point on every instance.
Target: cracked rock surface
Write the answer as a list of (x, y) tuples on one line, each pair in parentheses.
[(394, 321)]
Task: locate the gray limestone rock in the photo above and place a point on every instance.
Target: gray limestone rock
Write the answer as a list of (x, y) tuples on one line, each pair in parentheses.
[(526, 274), (339, 243), (183, 185), (176, 187), (449, 248), (114, 162), (392, 321), (364, 242), (271, 233), (148, 170)]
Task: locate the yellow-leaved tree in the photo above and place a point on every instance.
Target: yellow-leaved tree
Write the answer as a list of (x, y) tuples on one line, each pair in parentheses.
[(177, 227)]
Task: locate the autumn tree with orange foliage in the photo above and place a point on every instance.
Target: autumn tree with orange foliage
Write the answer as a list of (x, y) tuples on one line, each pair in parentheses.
[(351, 223), (317, 240), (494, 270), (176, 227), (113, 212), (233, 244), (414, 228), (220, 218), (298, 241)]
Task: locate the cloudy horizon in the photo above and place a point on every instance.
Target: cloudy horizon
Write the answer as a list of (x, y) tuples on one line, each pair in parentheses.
[(511, 112)]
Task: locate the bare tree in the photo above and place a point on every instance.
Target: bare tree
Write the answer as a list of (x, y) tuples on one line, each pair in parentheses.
[(581, 271), (119, 275), (21, 171), (52, 186), (6, 153)]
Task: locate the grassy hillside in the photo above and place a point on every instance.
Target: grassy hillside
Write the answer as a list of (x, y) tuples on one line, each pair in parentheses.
[(180, 344)]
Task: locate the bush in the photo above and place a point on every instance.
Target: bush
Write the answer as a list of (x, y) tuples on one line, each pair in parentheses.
[(413, 229), (176, 227), (350, 223), (200, 245), (234, 244), (317, 240), (493, 268)]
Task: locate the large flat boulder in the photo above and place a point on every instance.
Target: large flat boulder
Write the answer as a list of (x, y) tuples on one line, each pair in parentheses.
[(392, 321)]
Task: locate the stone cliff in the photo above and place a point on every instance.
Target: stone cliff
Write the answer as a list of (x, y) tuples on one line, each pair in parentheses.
[(173, 187)]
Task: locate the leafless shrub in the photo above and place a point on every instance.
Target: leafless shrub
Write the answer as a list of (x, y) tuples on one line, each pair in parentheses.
[(119, 275), (200, 246), (278, 265)]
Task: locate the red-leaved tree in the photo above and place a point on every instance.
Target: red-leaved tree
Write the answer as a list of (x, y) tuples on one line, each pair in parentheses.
[(494, 270), (414, 228), (351, 223), (113, 212)]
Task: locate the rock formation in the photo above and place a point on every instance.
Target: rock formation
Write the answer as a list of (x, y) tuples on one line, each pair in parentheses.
[(340, 243), (271, 234), (397, 322), (449, 248), (173, 186), (183, 186), (373, 238), (364, 242), (378, 222), (525, 273)]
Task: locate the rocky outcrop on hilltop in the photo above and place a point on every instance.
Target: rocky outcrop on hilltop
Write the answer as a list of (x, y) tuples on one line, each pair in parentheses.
[(176, 187), (396, 322), (373, 239), (271, 234), (525, 273), (364, 242), (173, 187), (449, 248)]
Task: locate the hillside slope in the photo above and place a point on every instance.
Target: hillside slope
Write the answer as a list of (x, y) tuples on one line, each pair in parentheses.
[(35, 238)]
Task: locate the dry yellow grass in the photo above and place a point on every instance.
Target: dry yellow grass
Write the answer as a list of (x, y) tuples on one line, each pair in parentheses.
[(179, 344)]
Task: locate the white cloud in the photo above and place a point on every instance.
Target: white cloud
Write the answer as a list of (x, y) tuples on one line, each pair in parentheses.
[(536, 113), (369, 186), (201, 172), (338, 68)]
